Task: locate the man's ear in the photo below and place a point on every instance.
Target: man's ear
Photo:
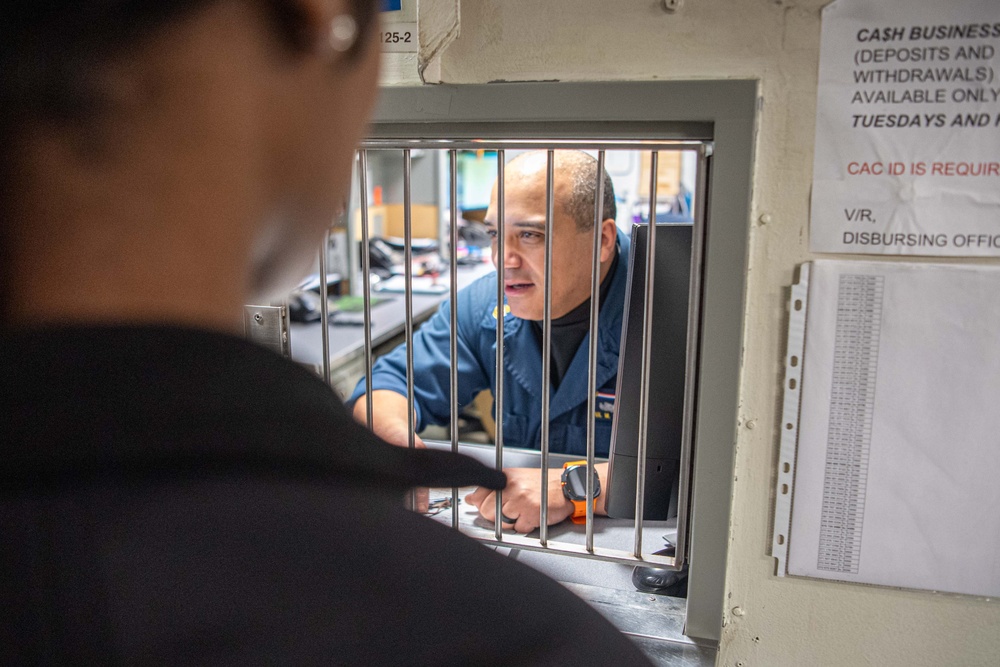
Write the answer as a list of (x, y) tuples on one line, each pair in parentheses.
[(609, 236)]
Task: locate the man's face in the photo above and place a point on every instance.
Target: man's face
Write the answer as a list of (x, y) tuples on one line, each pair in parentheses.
[(523, 264)]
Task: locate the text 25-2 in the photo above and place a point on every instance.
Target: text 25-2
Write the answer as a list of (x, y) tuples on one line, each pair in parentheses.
[(397, 37)]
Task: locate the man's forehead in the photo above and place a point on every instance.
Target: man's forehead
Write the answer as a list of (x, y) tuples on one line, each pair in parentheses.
[(529, 164), (529, 188), (530, 170), (525, 207)]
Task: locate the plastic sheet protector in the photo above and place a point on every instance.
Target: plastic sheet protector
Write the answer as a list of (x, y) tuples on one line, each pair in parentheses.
[(889, 470)]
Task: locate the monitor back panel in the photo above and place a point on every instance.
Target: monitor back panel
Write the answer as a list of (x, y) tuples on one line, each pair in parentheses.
[(668, 361)]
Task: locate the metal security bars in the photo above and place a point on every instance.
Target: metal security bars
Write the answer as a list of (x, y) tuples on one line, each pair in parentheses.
[(453, 341), (498, 390), (406, 147), (366, 277), (595, 307)]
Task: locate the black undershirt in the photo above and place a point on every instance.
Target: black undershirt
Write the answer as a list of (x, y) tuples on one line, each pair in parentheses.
[(569, 330)]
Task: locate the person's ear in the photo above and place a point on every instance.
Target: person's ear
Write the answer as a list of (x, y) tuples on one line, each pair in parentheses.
[(609, 236)]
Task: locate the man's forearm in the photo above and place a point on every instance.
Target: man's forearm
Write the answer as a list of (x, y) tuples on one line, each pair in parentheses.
[(386, 404), (602, 474), (389, 412)]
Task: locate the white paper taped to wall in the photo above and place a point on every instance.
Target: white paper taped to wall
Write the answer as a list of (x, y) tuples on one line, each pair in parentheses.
[(908, 129), (897, 472)]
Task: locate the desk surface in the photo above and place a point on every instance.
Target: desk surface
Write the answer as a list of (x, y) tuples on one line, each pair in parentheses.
[(617, 534), (388, 320), (656, 622)]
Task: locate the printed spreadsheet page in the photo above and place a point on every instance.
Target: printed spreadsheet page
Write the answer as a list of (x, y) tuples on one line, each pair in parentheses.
[(897, 475)]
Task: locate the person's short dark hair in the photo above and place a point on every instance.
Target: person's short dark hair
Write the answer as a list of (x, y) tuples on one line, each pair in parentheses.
[(50, 51), (50, 48), (582, 169)]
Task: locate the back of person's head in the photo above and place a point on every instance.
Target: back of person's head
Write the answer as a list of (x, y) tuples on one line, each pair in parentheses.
[(106, 100)]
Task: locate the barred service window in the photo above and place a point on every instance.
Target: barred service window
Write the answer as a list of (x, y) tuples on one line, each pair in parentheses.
[(512, 225), (495, 287)]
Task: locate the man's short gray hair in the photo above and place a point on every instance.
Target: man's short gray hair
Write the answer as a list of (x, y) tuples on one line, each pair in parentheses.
[(582, 170)]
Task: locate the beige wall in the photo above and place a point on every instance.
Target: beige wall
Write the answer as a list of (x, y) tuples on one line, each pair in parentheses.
[(783, 621)]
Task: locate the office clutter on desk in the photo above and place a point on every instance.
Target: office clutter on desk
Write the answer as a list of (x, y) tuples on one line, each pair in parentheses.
[(430, 269), (304, 303), (380, 259), (386, 257), (303, 306), (333, 284), (421, 285), (350, 310)]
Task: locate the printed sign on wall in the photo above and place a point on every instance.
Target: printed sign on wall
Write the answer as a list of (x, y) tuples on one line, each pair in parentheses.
[(399, 32), (908, 129)]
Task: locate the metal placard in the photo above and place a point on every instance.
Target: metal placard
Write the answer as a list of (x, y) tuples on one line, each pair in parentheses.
[(267, 326)]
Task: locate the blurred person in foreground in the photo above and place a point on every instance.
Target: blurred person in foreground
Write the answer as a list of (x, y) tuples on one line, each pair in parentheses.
[(172, 493)]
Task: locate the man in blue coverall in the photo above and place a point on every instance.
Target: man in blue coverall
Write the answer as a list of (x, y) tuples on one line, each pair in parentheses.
[(574, 191)]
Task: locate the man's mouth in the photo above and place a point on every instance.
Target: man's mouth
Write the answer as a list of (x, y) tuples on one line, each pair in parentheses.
[(512, 288)]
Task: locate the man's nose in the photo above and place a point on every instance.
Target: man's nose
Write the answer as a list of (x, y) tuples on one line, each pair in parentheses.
[(511, 259)]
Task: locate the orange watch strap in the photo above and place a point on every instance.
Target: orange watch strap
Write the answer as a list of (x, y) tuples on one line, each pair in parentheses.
[(579, 506), (580, 510)]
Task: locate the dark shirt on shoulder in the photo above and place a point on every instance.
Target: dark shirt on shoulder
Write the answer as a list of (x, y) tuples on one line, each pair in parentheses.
[(183, 497)]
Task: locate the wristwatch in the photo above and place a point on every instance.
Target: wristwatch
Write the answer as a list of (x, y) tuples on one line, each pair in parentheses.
[(574, 486)]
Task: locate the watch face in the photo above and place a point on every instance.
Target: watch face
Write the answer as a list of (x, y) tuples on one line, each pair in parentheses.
[(575, 483)]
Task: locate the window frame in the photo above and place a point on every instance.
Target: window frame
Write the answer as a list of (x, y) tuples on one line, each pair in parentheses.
[(721, 112)]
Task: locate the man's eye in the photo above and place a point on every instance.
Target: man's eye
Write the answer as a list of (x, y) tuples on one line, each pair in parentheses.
[(531, 236), (492, 233)]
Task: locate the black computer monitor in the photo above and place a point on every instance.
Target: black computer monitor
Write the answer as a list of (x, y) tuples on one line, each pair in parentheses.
[(668, 363)]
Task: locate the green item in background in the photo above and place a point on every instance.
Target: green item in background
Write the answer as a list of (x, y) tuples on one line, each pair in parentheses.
[(354, 304)]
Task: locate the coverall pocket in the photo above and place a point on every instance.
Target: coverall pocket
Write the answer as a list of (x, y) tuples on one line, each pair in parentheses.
[(572, 439), (515, 431)]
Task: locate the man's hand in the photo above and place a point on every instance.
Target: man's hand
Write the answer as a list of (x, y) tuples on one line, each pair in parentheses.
[(389, 422), (522, 499)]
